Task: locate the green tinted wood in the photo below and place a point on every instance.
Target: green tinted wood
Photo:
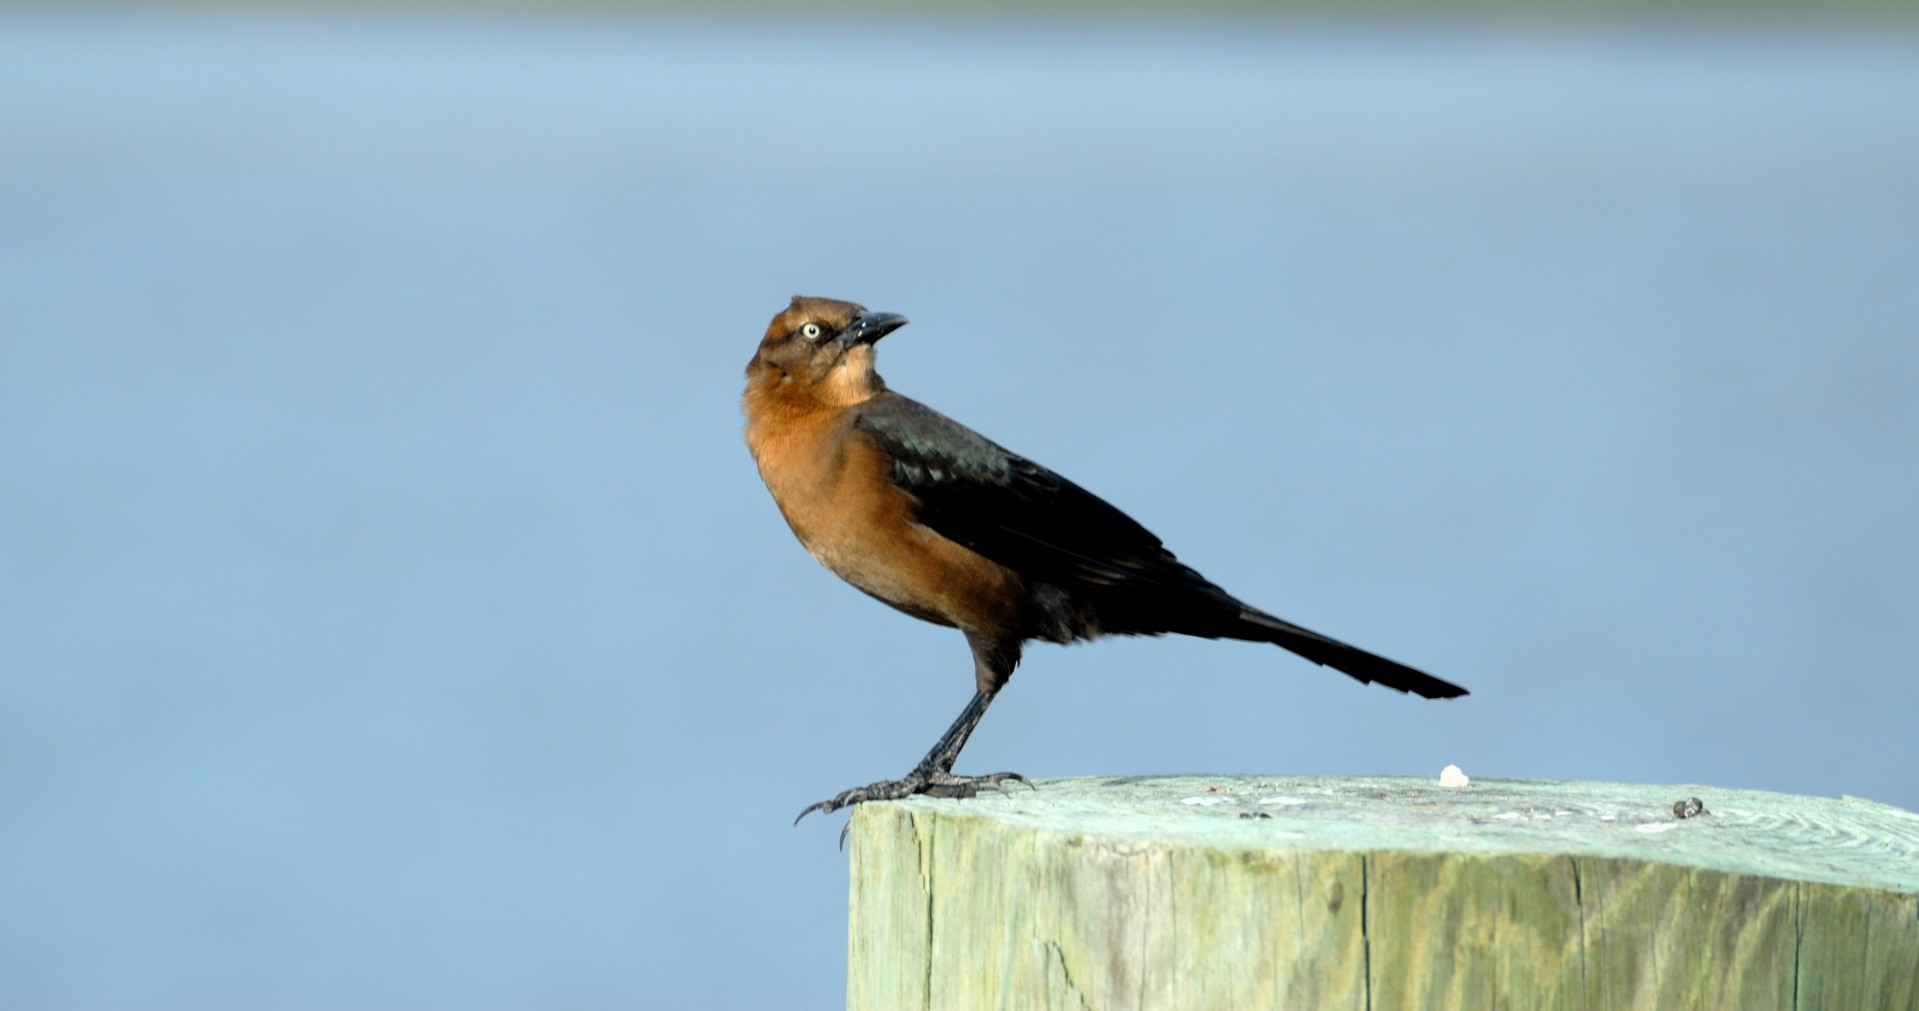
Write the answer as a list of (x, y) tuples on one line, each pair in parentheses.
[(1374, 894)]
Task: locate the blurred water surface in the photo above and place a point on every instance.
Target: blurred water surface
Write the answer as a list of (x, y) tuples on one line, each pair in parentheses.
[(391, 617)]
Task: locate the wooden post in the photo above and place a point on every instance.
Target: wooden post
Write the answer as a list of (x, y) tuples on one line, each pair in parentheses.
[(1301, 893)]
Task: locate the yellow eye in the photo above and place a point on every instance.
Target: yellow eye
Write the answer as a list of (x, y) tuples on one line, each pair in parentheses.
[(810, 331)]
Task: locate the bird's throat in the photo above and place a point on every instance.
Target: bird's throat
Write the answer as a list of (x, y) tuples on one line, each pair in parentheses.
[(852, 380)]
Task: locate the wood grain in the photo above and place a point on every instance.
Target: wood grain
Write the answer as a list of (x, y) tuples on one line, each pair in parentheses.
[(1375, 894)]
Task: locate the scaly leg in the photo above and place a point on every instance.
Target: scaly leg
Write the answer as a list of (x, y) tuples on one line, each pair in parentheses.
[(934, 775)]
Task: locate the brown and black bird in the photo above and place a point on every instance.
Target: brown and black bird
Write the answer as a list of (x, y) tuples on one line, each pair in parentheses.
[(927, 515)]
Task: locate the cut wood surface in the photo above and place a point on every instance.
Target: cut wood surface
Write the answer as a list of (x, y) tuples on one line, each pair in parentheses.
[(1382, 893)]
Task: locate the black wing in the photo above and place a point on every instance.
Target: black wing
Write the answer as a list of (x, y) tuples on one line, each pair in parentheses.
[(1053, 532), (1039, 524)]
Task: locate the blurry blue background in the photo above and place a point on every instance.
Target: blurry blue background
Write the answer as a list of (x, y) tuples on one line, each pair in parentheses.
[(390, 615)]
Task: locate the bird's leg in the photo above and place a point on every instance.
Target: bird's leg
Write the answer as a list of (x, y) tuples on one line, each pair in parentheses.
[(937, 766), (934, 775)]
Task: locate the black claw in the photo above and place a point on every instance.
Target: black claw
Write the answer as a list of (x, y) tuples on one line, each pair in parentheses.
[(845, 798), (821, 807), (923, 780)]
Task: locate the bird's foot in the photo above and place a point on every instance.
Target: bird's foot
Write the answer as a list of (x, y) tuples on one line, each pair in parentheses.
[(931, 782)]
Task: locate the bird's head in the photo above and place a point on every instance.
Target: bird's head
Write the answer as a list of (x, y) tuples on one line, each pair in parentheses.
[(824, 348)]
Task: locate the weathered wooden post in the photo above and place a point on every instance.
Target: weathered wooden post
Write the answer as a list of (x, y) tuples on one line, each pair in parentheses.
[(1303, 893)]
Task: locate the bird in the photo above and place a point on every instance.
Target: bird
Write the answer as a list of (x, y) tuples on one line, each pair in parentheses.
[(935, 520)]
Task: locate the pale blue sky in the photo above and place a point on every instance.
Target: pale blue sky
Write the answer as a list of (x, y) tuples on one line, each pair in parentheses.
[(390, 614)]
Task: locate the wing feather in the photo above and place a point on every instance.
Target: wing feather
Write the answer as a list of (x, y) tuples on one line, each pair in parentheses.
[(1117, 576), (1020, 514)]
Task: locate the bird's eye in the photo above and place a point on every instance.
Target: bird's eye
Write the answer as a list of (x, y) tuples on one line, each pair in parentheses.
[(810, 331)]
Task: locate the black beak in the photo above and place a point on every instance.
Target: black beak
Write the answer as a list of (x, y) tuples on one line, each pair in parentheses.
[(869, 327)]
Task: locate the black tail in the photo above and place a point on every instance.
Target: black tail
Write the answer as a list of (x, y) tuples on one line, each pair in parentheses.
[(1348, 660)]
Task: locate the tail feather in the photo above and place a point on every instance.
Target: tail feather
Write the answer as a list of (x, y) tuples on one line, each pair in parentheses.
[(1349, 660)]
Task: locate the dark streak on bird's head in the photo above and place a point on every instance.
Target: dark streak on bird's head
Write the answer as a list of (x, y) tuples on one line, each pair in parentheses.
[(824, 348)]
